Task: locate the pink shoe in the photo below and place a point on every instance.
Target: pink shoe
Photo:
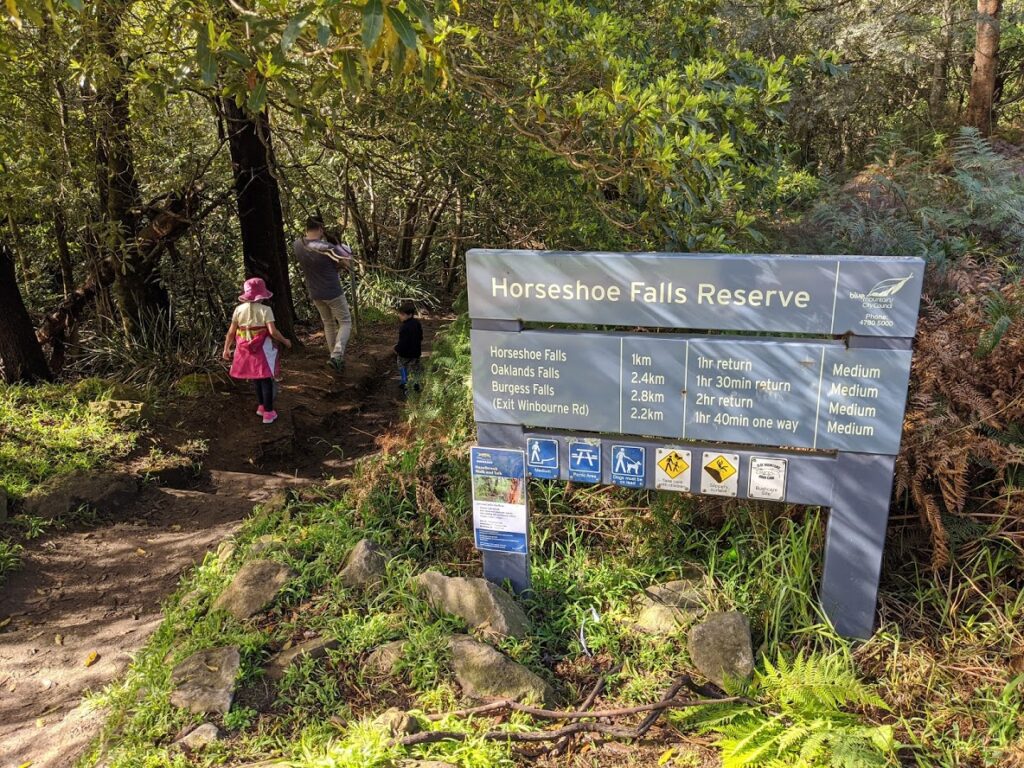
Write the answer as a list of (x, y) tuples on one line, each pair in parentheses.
[(260, 410), (269, 417)]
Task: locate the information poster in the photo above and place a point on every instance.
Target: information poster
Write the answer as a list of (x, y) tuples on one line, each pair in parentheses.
[(500, 517)]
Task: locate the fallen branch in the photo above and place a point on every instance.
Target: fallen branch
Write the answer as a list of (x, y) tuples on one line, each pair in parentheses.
[(563, 744), (563, 735)]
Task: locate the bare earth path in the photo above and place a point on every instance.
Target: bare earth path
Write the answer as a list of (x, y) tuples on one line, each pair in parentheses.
[(100, 589)]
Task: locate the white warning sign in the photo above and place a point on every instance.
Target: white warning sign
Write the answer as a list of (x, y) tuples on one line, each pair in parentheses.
[(720, 473), (672, 469), (767, 479)]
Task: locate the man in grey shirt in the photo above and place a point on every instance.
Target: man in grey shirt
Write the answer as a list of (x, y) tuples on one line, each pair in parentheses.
[(320, 262)]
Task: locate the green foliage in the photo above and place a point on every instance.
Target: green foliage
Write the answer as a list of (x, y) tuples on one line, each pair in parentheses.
[(50, 430), (383, 291), (159, 353), (802, 721), (910, 204)]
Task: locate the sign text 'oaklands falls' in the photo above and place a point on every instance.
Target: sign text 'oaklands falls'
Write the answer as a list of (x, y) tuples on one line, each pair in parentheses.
[(755, 376)]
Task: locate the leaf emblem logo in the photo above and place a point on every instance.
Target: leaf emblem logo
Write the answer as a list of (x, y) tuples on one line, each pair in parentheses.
[(889, 287)]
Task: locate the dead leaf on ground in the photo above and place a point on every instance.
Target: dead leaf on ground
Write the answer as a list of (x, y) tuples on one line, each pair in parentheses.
[(58, 639), (91, 659)]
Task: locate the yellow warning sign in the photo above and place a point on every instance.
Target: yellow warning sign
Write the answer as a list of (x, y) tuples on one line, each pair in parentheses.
[(673, 464), (720, 468)]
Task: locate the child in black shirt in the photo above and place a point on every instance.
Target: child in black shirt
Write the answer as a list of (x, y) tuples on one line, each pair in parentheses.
[(410, 345)]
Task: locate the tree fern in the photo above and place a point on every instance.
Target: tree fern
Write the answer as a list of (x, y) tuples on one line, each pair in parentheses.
[(799, 719)]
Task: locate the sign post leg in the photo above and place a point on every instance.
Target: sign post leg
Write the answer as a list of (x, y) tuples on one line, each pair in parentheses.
[(855, 541)]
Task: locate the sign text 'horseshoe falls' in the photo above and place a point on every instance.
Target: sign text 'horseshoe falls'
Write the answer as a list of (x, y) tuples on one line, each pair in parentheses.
[(821, 295)]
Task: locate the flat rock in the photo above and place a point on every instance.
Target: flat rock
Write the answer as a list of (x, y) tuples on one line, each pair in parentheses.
[(254, 588), (720, 647), (488, 675), (664, 607), (199, 737), (315, 648), (383, 659), (62, 496), (365, 566), (204, 683), (398, 722), (482, 605), (129, 412)]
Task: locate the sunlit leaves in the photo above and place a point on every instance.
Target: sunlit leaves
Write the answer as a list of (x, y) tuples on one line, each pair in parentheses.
[(373, 22)]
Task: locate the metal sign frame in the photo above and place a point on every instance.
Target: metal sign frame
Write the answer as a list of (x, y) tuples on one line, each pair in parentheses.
[(854, 486)]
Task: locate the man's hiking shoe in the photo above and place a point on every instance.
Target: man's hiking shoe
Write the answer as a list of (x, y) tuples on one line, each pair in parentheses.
[(337, 363), (260, 410), (269, 417)]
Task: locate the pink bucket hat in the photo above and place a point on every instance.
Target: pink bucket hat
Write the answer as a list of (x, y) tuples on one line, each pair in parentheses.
[(255, 290)]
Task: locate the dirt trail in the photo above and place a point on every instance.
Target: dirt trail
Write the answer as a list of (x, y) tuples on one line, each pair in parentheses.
[(100, 589)]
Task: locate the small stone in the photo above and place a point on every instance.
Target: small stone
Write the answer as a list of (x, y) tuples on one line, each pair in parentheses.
[(720, 647), (488, 675), (667, 606), (384, 658), (254, 588), (199, 737), (365, 566), (482, 605), (204, 683), (315, 648), (225, 551), (398, 723)]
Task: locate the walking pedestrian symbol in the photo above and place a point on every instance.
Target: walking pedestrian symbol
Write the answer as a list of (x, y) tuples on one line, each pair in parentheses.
[(585, 461), (629, 465), (542, 457), (672, 469)]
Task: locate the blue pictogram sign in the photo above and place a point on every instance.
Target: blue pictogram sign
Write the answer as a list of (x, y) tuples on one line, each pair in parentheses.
[(585, 461), (629, 465), (542, 457)]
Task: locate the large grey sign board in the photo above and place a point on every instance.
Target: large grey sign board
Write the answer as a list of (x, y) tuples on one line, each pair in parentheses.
[(822, 295), (693, 412), (805, 394)]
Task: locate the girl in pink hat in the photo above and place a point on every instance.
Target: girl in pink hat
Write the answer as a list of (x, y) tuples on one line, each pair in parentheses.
[(253, 332)]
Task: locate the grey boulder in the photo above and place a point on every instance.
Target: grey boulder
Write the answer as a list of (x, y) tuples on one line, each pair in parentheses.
[(204, 683), (254, 588), (488, 675), (365, 566), (199, 737), (720, 647), (482, 605)]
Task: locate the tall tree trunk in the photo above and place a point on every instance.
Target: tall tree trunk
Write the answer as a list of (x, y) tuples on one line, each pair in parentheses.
[(138, 289), (940, 66), (21, 356), (983, 76), (264, 247)]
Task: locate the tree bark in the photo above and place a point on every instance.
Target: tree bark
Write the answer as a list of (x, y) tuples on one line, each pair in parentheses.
[(264, 247), (138, 289), (940, 66), (986, 60), (21, 357)]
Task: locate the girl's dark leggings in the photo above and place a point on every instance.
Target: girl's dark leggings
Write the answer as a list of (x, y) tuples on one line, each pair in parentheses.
[(265, 393)]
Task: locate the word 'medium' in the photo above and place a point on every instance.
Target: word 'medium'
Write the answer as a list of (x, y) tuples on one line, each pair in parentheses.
[(649, 293)]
